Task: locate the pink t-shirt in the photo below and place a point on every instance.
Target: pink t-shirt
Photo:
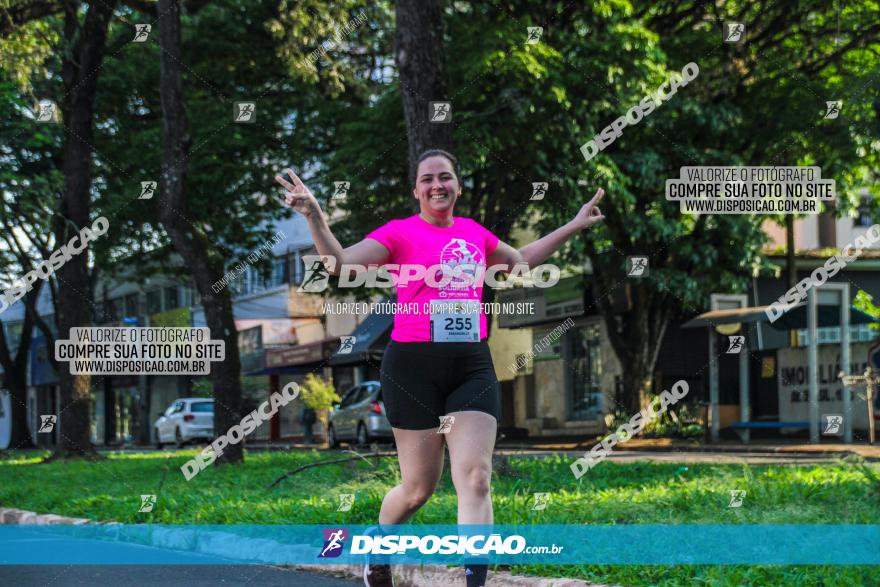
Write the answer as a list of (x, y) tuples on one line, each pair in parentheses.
[(414, 240)]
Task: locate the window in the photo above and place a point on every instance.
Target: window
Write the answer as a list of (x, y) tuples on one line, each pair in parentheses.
[(370, 390), (298, 269), (278, 266), (171, 298), (114, 310), (246, 281), (98, 312), (13, 334), (187, 295), (235, 285), (131, 305), (864, 218), (257, 281), (53, 328), (585, 373), (202, 407), (363, 394), (831, 334), (350, 397), (154, 301)]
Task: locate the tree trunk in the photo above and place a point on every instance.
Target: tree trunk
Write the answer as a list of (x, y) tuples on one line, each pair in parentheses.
[(110, 422), (422, 69), (636, 338), (84, 52), (15, 369), (109, 412), (21, 436), (203, 260), (145, 426), (15, 380)]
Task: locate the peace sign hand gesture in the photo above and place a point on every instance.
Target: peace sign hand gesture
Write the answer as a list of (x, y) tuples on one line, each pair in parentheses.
[(590, 214), (298, 196)]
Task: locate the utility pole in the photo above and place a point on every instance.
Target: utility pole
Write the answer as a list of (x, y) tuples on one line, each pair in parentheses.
[(870, 380)]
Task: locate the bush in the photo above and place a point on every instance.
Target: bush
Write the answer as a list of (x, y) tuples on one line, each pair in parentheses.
[(682, 421), (319, 395)]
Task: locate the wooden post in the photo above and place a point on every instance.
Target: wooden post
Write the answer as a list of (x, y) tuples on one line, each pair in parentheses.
[(869, 384)]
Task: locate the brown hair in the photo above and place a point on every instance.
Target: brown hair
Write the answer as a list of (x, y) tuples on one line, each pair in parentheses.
[(438, 153)]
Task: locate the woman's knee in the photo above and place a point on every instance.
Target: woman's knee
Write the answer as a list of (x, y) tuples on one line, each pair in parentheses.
[(417, 496), (474, 479)]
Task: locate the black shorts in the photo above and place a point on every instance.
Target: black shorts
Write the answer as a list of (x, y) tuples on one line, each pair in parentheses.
[(423, 381)]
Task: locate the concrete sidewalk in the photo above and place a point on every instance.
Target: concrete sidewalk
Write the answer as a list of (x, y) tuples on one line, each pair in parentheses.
[(440, 576), (255, 554), (866, 451)]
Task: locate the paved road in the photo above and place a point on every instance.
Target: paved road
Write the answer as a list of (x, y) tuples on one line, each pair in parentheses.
[(207, 572), (164, 576)]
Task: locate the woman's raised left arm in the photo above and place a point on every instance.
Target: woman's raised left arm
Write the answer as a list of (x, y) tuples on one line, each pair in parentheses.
[(535, 253)]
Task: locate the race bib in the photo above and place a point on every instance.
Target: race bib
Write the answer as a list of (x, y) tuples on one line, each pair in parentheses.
[(455, 321)]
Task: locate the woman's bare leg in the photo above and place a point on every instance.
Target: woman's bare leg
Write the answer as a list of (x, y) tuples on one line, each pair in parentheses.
[(420, 454), (471, 442)]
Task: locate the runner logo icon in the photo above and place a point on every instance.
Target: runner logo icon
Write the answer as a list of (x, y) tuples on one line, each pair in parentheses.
[(334, 540), (736, 344)]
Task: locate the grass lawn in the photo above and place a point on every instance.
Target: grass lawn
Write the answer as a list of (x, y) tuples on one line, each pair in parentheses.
[(841, 492)]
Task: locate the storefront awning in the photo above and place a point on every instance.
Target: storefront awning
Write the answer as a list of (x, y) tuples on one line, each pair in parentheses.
[(286, 370), (828, 315), (302, 356), (793, 319), (368, 334)]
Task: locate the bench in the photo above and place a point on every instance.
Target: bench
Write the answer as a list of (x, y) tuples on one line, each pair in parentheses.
[(739, 427)]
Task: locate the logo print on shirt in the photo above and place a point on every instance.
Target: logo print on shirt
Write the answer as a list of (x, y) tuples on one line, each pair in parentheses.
[(460, 253)]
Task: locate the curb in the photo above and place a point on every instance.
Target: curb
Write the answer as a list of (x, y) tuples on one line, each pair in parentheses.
[(260, 551), (16, 516), (441, 576), (756, 450), (794, 450)]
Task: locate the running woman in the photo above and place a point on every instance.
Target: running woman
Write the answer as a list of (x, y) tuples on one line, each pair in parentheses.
[(436, 366)]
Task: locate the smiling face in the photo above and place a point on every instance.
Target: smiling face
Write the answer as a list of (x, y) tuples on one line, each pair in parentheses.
[(437, 187)]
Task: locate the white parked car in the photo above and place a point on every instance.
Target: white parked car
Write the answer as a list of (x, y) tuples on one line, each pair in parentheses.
[(185, 420)]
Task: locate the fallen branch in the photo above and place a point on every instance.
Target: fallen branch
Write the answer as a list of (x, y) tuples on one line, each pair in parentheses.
[(334, 462)]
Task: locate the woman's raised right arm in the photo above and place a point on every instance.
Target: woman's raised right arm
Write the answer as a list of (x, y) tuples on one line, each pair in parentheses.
[(300, 198)]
